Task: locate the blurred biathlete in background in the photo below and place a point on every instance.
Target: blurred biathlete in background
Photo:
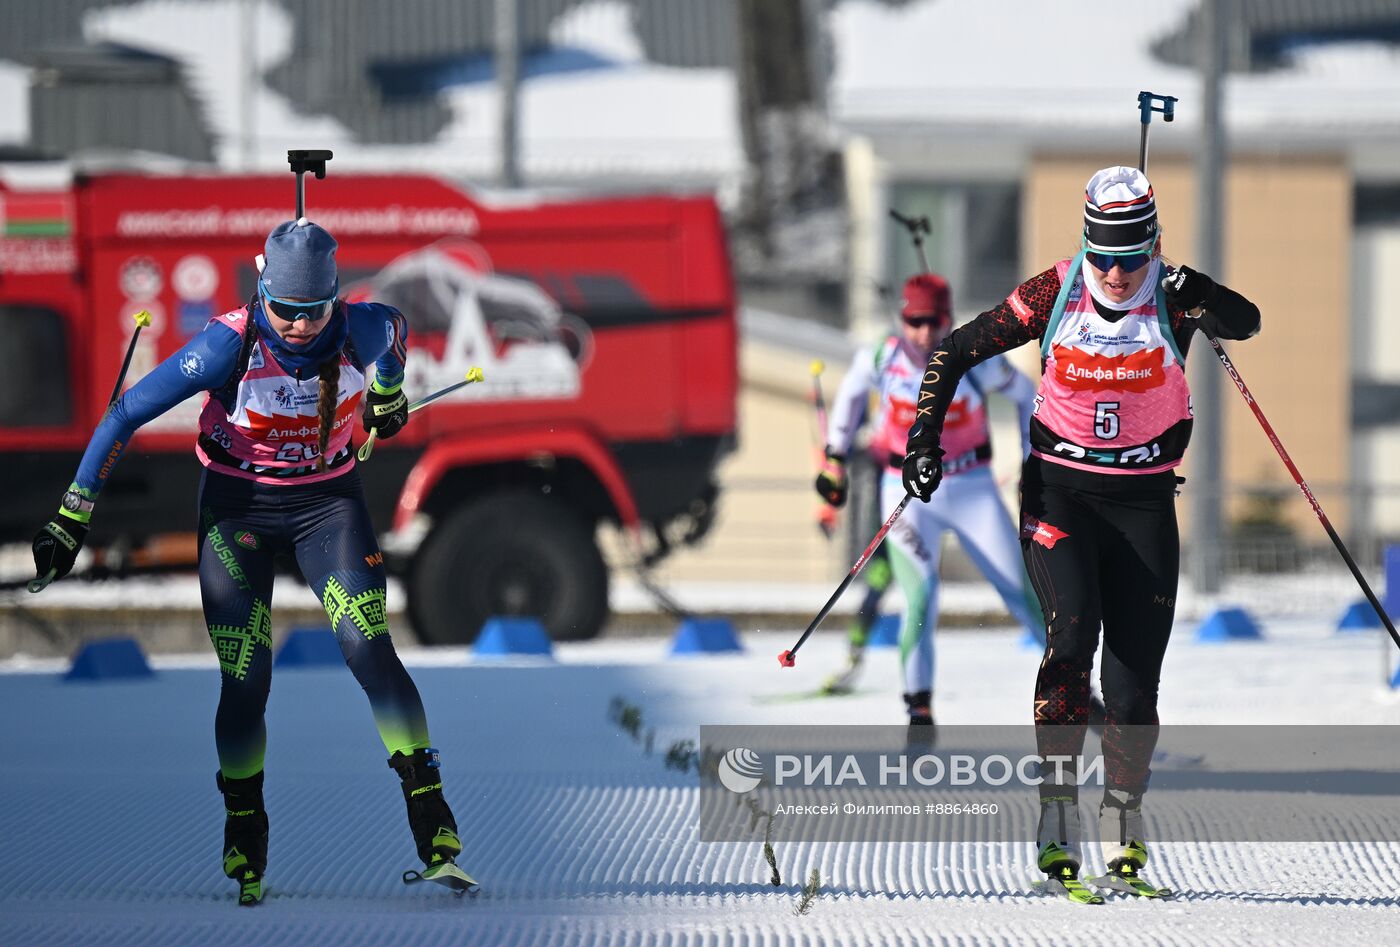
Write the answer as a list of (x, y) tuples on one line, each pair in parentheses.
[(1098, 516), (284, 376), (969, 505)]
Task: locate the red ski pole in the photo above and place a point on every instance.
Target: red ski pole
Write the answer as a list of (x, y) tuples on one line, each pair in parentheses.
[(1146, 106), (1302, 484), (789, 658)]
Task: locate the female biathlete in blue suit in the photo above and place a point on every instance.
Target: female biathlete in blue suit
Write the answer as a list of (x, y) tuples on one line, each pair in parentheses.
[(284, 376)]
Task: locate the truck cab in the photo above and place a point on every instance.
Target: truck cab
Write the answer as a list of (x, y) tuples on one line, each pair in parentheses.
[(604, 328)]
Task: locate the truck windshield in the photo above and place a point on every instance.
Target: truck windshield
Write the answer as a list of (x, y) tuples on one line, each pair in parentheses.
[(37, 389)]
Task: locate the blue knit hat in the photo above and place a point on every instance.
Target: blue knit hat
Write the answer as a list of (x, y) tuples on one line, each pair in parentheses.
[(300, 261)]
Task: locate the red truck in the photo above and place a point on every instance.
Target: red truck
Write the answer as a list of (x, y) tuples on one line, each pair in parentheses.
[(605, 329)]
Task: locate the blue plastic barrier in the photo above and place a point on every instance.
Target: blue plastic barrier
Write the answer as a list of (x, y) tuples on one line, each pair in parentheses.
[(1359, 616), (504, 636), (885, 632), (1390, 601), (309, 647), (1031, 641), (108, 659), (705, 636), (1228, 624)]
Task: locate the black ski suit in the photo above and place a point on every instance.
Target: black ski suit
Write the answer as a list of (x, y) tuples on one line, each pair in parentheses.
[(1102, 549)]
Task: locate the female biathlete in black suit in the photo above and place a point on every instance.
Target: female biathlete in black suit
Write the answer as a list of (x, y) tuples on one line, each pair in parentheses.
[(1098, 522)]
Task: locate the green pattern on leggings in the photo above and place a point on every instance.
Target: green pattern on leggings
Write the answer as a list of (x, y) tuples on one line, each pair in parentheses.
[(916, 591), (235, 646), (365, 610)]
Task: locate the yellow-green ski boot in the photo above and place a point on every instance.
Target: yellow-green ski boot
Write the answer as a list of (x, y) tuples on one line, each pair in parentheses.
[(1058, 853), (1124, 851)]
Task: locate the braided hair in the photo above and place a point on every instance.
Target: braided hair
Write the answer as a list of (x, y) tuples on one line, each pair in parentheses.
[(326, 398)]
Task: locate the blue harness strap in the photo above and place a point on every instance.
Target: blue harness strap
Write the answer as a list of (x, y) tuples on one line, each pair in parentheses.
[(1074, 274)]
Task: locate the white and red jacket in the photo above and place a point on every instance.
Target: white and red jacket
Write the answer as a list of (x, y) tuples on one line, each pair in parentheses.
[(892, 371)]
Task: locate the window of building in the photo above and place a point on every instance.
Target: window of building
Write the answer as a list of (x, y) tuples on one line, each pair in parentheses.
[(974, 239), (37, 390)]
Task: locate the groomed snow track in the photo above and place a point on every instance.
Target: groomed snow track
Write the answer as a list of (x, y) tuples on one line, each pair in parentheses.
[(110, 824)]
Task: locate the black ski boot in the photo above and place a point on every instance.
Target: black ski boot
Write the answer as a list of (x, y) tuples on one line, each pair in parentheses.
[(245, 834), (430, 819), (921, 733)]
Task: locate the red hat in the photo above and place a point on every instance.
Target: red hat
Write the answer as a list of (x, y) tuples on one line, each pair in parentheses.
[(927, 293)]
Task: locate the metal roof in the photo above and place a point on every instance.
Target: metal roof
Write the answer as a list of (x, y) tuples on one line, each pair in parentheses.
[(1264, 33)]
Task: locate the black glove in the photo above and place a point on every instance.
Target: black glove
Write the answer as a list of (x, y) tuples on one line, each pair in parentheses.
[(832, 483), (56, 545), (386, 412), (1187, 289), (923, 469)]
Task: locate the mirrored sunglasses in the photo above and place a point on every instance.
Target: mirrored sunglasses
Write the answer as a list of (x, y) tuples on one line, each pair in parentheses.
[(1130, 262), (292, 310)]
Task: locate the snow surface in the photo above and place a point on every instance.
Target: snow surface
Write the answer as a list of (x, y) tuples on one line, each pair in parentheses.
[(111, 822), (1292, 594)]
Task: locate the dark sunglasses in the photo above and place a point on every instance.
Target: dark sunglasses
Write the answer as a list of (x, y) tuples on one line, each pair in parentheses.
[(291, 310), (1130, 262), (921, 322)]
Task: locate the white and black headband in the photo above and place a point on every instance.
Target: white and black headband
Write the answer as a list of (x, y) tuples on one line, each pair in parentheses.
[(1120, 213)]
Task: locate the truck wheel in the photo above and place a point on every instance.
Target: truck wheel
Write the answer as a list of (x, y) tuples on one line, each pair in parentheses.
[(508, 554)]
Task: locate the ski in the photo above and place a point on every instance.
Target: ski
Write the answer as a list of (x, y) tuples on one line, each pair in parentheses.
[(1125, 879), (444, 873), (1064, 883), (819, 694), (844, 682), (838, 685)]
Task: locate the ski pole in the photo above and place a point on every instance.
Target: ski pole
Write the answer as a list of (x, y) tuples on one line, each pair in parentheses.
[(1302, 484), (818, 366), (789, 658), (1146, 108), (917, 227), (142, 319), (473, 375)]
